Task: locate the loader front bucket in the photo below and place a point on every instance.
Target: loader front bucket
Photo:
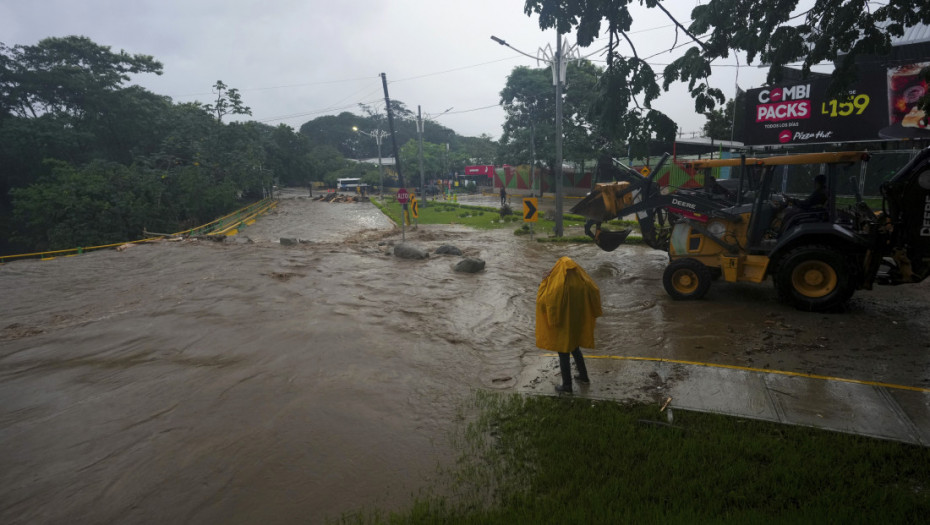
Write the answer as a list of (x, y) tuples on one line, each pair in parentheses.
[(592, 207), (605, 202), (608, 241)]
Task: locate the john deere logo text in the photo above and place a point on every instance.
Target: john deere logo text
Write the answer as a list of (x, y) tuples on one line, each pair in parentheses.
[(684, 204)]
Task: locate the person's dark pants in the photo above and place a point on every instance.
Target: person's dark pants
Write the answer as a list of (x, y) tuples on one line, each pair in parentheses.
[(566, 367)]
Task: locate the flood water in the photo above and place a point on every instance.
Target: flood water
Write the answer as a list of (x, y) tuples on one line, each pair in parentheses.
[(253, 382)]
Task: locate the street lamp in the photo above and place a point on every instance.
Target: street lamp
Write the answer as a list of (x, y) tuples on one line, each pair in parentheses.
[(378, 135), (559, 61), (420, 126)]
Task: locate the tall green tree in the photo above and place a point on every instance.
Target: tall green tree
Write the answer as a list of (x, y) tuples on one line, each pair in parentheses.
[(528, 99), (64, 76), (228, 102), (325, 160)]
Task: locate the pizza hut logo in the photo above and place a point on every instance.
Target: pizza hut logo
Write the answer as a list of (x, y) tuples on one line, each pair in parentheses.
[(784, 136)]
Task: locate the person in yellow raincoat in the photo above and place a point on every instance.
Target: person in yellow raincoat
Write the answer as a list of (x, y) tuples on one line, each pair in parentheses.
[(568, 303)]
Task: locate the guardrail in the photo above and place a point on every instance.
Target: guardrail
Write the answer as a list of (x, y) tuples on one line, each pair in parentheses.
[(226, 225)]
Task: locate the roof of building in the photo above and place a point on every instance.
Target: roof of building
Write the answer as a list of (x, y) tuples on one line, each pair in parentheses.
[(912, 35)]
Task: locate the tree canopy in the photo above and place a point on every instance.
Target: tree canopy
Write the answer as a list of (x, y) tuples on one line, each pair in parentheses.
[(772, 33), (87, 159)]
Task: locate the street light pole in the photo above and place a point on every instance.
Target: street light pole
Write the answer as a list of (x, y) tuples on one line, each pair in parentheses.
[(378, 135), (559, 62), (557, 79)]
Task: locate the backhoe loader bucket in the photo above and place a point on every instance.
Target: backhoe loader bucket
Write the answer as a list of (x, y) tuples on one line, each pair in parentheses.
[(592, 207), (605, 202), (608, 241)]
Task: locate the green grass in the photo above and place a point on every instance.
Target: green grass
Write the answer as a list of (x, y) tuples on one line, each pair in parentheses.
[(444, 212), (485, 217), (574, 460)]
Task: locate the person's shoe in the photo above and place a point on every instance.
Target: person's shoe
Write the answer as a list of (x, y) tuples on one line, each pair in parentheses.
[(562, 389), (582, 379)]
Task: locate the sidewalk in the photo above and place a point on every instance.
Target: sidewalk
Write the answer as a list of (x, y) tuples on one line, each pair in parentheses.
[(892, 412)]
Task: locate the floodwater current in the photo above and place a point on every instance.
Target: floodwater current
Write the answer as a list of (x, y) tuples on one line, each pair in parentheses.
[(252, 382)]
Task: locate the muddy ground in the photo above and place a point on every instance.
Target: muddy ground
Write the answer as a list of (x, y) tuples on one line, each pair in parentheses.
[(249, 381)]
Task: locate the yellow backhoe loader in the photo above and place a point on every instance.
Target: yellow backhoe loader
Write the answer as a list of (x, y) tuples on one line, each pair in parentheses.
[(745, 230)]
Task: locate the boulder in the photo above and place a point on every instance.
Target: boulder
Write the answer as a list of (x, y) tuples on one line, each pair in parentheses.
[(288, 241), (409, 251), (448, 249), (470, 265)]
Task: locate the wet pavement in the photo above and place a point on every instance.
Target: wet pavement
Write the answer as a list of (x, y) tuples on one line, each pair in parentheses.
[(249, 381), (878, 410)]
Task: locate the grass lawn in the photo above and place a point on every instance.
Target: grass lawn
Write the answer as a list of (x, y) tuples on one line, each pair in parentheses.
[(485, 217), (575, 460)]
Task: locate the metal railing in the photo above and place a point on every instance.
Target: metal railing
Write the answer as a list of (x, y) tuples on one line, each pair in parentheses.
[(226, 225)]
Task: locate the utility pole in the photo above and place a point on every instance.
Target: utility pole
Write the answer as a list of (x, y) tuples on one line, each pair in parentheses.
[(420, 152), (390, 114), (533, 180), (557, 78)]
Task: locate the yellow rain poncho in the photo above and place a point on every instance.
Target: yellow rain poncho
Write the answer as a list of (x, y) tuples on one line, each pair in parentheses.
[(567, 304)]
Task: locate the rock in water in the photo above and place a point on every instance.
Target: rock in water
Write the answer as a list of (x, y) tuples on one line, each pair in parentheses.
[(448, 249), (470, 265), (408, 251)]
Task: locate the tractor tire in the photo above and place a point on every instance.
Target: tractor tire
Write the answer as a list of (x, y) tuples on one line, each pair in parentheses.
[(814, 278), (686, 279)]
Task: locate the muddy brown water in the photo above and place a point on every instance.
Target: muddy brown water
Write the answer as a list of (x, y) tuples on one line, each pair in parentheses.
[(246, 382)]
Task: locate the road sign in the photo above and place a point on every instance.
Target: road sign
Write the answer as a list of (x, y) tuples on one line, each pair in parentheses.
[(530, 205), (402, 196), (645, 171), (415, 207)]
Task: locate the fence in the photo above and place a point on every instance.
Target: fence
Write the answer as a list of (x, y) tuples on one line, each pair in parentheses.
[(226, 225)]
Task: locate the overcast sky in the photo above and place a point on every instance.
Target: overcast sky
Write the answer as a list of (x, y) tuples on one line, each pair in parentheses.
[(295, 60)]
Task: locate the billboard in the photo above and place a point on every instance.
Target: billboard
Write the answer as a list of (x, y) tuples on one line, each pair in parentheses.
[(881, 106)]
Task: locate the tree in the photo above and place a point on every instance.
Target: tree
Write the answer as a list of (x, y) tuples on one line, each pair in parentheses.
[(325, 160), (768, 32), (228, 101), (528, 99), (719, 124), (85, 159), (479, 150), (64, 76), (288, 154)]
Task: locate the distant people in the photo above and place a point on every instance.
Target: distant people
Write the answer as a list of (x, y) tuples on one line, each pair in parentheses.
[(503, 196), (568, 303)]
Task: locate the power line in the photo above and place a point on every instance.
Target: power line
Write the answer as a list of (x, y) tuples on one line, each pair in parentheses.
[(450, 70), (284, 86)]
